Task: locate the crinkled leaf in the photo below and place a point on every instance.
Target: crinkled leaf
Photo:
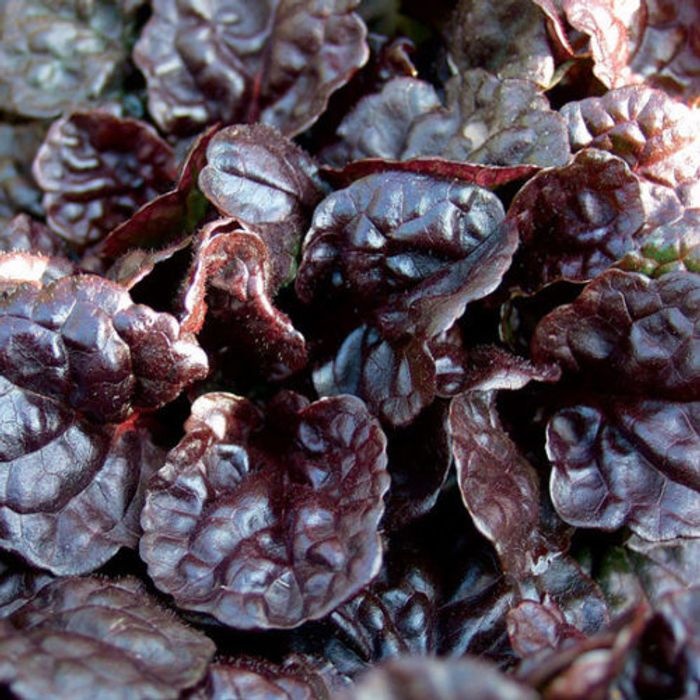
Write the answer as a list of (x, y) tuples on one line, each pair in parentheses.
[(649, 41), (296, 678), (16, 268), (266, 182), (170, 217), (499, 487), (276, 62), (417, 678), (268, 523), (534, 627), (486, 121), (91, 637), (575, 222), (71, 492), (82, 341), (23, 233), (228, 287), (412, 248), (397, 614), (587, 668), (77, 358), (627, 452), (18, 192), (54, 55), (96, 170), (671, 247), (658, 137), (397, 380), (507, 38)]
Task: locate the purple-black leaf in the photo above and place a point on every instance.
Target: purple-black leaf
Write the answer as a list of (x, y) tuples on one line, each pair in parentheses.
[(96, 170), (266, 182), (627, 451), (86, 638), (275, 62), (268, 523), (54, 56)]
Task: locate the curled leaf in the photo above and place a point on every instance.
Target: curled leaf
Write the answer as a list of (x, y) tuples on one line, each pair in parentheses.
[(266, 523), (107, 637), (274, 62)]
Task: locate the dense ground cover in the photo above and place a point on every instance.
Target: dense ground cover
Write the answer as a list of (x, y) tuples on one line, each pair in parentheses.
[(350, 349)]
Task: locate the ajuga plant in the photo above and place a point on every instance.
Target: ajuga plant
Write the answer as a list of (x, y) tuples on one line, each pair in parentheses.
[(349, 349)]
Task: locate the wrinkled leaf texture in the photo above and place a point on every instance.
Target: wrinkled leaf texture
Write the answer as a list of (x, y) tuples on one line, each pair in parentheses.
[(275, 61), (627, 452), (267, 524)]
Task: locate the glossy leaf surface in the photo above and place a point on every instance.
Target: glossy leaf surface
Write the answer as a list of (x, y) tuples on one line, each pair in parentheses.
[(628, 453), (96, 170), (266, 524), (276, 62), (95, 638)]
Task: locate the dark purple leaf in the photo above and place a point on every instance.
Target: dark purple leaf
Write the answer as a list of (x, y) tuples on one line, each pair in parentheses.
[(412, 248), (72, 493), (418, 678), (508, 38), (658, 137), (54, 55), (268, 522), (22, 233), (296, 678), (481, 175), (18, 192), (136, 265), (232, 62), (84, 638), (486, 121), (266, 182), (76, 358), (396, 614), (664, 567), (499, 487), (96, 170), (18, 584), (534, 627), (669, 663), (228, 286), (627, 451), (16, 268), (170, 217), (652, 41), (587, 669), (575, 222), (397, 380)]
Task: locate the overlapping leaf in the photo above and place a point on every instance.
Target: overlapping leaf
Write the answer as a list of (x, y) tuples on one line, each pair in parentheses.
[(96, 170), (54, 55), (486, 121), (409, 252), (85, 638), (266, 182), (508, 39), (276, 62), (627, 451), (228, 287), (266, 523), (77, 358)]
